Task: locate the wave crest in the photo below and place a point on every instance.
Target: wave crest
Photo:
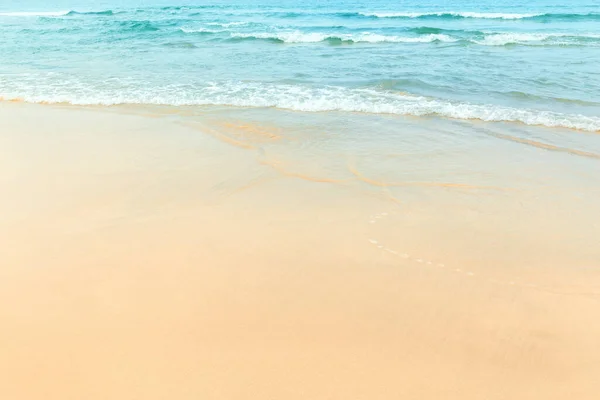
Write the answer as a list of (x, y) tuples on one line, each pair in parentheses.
[(105, 12), (303, 37), (415, 35), (35, 13), (476, 15), (450, 14), (55, 13), (506, 38)]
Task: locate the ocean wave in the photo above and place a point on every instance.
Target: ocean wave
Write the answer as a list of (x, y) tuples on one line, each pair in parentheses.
[(447, 14), (412, 15), (503, 39), (137, 26), (35, 13), (426, 30), (229, 24), (180, 45), (55, 13), (341, 14), (421, 35), (316, 37), (193, 7), (201, 30), (475, 15), (105, 12), (308, 99), (536, 98)]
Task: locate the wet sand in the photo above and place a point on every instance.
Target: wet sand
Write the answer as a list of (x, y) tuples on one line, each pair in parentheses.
[(146, 257)]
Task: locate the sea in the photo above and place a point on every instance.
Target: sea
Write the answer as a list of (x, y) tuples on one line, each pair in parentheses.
[(534, 63)]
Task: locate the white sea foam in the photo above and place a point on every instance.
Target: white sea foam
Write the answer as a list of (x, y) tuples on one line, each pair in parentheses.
[(448, 13), (365, 37), (298, 36), (35, 14), (228, 24), (201, 30), (501, 39), (489, 38), (287, 37), (294, 97)]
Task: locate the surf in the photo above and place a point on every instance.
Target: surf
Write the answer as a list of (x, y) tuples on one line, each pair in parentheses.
[(321, 99)]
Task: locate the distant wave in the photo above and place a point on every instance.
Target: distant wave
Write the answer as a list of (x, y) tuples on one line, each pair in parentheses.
[(461, 14), (447, 14), (54, 13), (192, 7), (502, 39), (137, 26), (425, 30), (423, 35), (34, 14), (304, 37), (201, 30), (106, 12), (223, 25), (307, 99), (229, 24), (180, 45), (542, 17)]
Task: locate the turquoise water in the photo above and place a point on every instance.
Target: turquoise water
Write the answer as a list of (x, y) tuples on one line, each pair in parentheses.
[(533, 64)]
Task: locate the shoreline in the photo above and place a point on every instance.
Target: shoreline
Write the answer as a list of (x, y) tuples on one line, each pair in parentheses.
[(145, 259), (587, 125)]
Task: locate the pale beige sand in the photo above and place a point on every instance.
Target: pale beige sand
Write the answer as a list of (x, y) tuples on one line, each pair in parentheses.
[(143, 260)]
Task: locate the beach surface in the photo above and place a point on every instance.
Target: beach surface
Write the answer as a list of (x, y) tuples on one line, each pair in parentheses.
[(150, 255)]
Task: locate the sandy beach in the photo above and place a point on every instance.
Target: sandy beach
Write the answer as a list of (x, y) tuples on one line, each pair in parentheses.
[(145, 259)]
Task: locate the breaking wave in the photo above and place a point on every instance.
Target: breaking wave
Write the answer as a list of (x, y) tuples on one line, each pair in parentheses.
[(308, 99), (476, 15), (303, 37), (54, 13)]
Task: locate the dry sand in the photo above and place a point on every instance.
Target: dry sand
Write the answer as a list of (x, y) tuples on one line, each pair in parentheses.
[(140, 259)]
